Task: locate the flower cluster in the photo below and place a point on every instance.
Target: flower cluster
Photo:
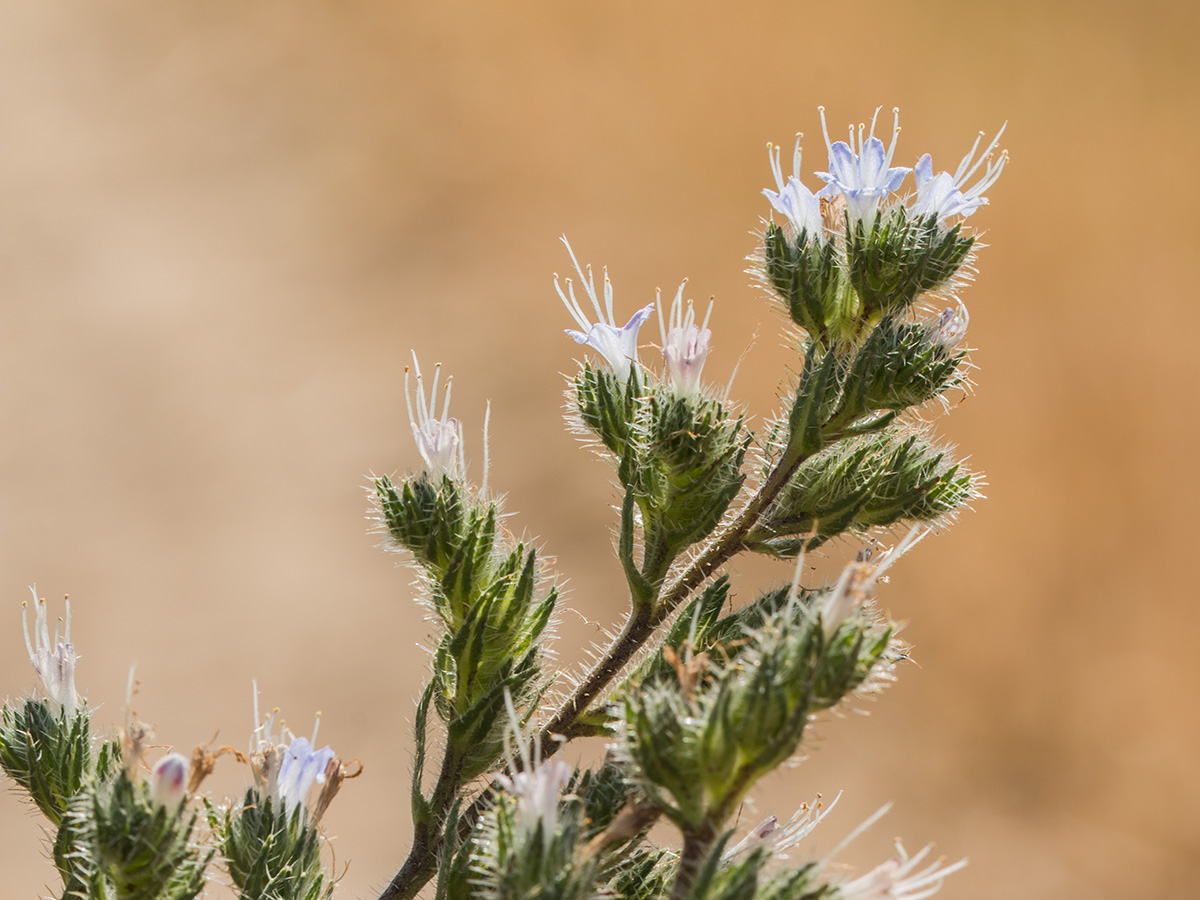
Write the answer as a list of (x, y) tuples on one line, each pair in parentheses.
[(700, 695)]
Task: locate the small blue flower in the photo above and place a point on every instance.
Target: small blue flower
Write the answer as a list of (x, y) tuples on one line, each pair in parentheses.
[(942, 195), (439, 440), (801, 206), (300, 768), (287, 773), (863, 176), (618, 346), (685, 345)]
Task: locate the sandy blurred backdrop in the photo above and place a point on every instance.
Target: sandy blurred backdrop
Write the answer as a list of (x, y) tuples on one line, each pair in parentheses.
[(225, 224)]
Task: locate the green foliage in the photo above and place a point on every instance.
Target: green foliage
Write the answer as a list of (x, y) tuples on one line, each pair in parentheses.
[(608, 407), (809, 278), (687, 470), (700, 745), (900, 365), (518, 860), (270, 853), (718, 878), (871, 481), (897, 258), (117, 843), (430, 520), (49, 754)]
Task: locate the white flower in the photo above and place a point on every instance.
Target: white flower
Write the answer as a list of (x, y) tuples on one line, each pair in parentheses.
[(618, 346), (54, 661), (952, 326), (865, 175), (537, 785), (942, 195), (781, 838), (685, 346), (168, 779), (439, 440), (896, 880), (801, 206)]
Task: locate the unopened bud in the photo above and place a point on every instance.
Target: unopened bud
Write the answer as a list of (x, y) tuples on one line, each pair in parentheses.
[(168, 780), (952, 326)]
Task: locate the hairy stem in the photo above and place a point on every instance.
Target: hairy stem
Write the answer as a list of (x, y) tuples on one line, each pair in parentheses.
[(697, 842), (639, 627)]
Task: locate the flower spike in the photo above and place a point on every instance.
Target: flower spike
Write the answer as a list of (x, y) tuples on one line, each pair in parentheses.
[(618, 346)]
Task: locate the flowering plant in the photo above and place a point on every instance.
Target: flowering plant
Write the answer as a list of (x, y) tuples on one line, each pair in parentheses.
[(697, 697)]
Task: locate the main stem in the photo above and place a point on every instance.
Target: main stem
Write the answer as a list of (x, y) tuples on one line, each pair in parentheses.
[(639, 627)]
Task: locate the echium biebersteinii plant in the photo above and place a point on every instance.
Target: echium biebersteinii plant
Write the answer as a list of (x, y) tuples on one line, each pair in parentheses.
[(696, 696)]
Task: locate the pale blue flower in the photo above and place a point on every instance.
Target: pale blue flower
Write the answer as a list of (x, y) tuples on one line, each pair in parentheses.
[(618, 346), (300, 768), (53, 660), (943, 195), (685, 345), (287, 773), (439, 439), (801, 206), (863, 174)]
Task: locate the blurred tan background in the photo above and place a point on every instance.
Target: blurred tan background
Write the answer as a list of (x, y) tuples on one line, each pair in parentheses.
[(223, 226)]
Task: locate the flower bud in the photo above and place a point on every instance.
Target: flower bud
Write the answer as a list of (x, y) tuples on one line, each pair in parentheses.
[(168, 780)]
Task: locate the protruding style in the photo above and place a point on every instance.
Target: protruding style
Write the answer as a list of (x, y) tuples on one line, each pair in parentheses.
[(685, 345), (439, 438), (945, 195), (54, 661), (618, 346), (862, 171), (801, 206)]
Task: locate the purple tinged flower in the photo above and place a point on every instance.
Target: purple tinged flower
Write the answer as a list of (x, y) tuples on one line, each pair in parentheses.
[(801, 206), (896, 880), (439, 439), (952, 326), (862, 172), (685, 345), (943, 195), (300, 768), (54, 661), (618, 346), (168, 779)]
